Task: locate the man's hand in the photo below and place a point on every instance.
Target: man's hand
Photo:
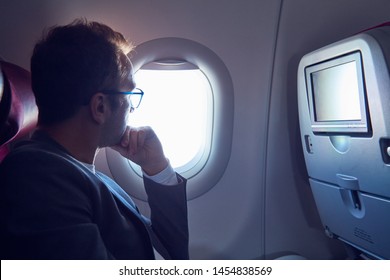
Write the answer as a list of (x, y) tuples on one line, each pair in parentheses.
[(142, 146)]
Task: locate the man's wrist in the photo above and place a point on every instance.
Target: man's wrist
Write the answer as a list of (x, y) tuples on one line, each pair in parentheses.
[(167, 176), (155, 168)]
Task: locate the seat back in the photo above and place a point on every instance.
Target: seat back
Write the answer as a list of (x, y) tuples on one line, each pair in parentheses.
[(18, 110), (344, 112)]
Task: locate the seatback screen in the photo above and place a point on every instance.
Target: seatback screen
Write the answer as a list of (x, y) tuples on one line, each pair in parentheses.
[(336, 93)]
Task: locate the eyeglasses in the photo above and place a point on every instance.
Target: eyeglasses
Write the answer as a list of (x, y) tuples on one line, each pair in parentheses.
[(135, 96)]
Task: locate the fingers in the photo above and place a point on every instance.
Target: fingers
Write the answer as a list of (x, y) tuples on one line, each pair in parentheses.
[(141, 136), (133, 140), (125, 138), (142, 146), (125, 143), (136, 139)]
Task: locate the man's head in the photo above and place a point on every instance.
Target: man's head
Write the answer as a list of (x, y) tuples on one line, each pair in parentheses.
[(74, 62)]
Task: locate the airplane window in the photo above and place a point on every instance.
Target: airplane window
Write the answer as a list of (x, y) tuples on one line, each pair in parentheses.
[(189, 102), (178, 105)]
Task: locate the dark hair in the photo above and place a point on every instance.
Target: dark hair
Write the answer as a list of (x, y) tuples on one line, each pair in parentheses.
[(73, 62)]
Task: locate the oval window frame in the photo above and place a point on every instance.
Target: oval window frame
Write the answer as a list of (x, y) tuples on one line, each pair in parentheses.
[(179, 49)]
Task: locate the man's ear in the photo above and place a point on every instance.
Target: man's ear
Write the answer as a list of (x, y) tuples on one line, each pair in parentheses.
[(99, 108)]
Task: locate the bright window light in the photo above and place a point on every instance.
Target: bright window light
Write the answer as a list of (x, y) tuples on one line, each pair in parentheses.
[(178, 105)]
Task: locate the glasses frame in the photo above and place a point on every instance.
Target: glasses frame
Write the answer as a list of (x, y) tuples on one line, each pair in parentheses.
[(140, 92)]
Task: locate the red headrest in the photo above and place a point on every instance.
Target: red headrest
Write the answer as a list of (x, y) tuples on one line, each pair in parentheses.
[(18, 111)]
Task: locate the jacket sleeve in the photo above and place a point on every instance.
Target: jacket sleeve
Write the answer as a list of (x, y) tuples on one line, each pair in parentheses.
[(168, 206)]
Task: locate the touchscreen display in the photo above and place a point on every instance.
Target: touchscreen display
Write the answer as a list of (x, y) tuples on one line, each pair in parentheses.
[(336, 93)]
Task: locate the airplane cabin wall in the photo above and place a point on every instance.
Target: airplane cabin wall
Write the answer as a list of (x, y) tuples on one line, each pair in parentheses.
[(262, 206), (305, 25)]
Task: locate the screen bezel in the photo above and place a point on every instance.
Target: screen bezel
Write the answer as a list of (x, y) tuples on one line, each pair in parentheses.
[(344, 127)]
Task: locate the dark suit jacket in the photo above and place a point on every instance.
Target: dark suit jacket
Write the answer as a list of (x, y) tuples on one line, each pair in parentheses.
[(53, 207)]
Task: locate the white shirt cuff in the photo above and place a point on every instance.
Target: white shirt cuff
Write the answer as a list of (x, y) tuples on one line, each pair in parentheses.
[(165, 177)]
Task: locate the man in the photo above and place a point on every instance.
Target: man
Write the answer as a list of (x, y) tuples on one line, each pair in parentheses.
[(54, 204)]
